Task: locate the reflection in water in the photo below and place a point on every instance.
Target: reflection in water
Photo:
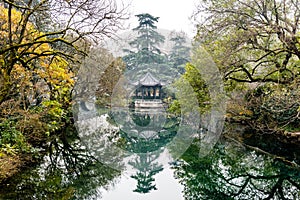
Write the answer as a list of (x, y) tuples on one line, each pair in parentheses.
[(68, 172), (146, 169), (141, 138), (232, 172), (77, 165), (145, 134)]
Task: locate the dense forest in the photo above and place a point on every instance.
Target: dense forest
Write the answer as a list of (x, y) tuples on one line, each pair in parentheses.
[(51, 55)]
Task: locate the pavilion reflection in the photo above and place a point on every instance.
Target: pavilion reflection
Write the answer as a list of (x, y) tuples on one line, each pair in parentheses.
[(145, 134)]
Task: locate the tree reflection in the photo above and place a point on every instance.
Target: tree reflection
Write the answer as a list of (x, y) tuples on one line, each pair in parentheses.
[(233, 172), (145, 134), (147, 168), (68, 172)]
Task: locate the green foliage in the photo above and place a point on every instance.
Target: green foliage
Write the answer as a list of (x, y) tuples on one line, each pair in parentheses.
[(11, 140), (252, 45), (145, 46), (175, 107), (146, 20), (54, 115), (54, 108), (36, 81), (192, 78), (239, 37), (39, 57), (232, 172), (146, 55), (180, 53), (242, 41)]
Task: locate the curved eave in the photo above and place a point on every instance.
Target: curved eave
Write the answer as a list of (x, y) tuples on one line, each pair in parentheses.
[(148, 85)]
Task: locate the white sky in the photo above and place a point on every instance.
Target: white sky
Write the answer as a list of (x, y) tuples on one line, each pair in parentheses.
[(174, 14), (168, 188)]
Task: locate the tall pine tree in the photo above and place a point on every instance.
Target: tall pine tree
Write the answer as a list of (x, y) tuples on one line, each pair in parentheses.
[(144, 49)]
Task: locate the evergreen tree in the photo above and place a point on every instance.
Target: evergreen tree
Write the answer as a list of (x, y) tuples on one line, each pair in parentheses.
[(145, 47), (180, 53)]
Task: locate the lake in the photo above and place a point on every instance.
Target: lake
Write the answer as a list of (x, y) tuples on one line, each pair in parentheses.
[(152, 155)]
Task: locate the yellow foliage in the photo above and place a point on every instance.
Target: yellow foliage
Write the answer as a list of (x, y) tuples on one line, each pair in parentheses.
[(31, 73), (32, 48)]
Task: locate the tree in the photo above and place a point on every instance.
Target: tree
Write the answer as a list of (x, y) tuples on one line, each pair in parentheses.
[(274, 108), (98, 77), (24, 46), (145, 48), (39, 59), (108, 82), (191, 78), (253, 40), (148, 37), (257, 42), (180, 53), (31, 75)]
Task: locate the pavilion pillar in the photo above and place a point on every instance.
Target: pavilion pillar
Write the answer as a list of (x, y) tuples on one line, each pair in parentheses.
[(159, 92), (136, 92), (147, 92)]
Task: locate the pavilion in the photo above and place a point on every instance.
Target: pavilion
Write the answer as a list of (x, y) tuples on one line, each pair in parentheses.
[(148, 87), (148, 92)]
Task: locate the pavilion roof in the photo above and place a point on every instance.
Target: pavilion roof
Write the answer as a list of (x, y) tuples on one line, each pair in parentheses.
[(148, 80)]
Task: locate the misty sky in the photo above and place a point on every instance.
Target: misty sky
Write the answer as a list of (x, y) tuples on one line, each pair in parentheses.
[(174, 15)]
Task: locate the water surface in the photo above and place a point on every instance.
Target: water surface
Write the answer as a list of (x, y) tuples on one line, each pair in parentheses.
[(132, 155)]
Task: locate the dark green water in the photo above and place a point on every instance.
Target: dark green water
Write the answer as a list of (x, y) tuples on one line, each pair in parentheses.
[(90, 169)]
